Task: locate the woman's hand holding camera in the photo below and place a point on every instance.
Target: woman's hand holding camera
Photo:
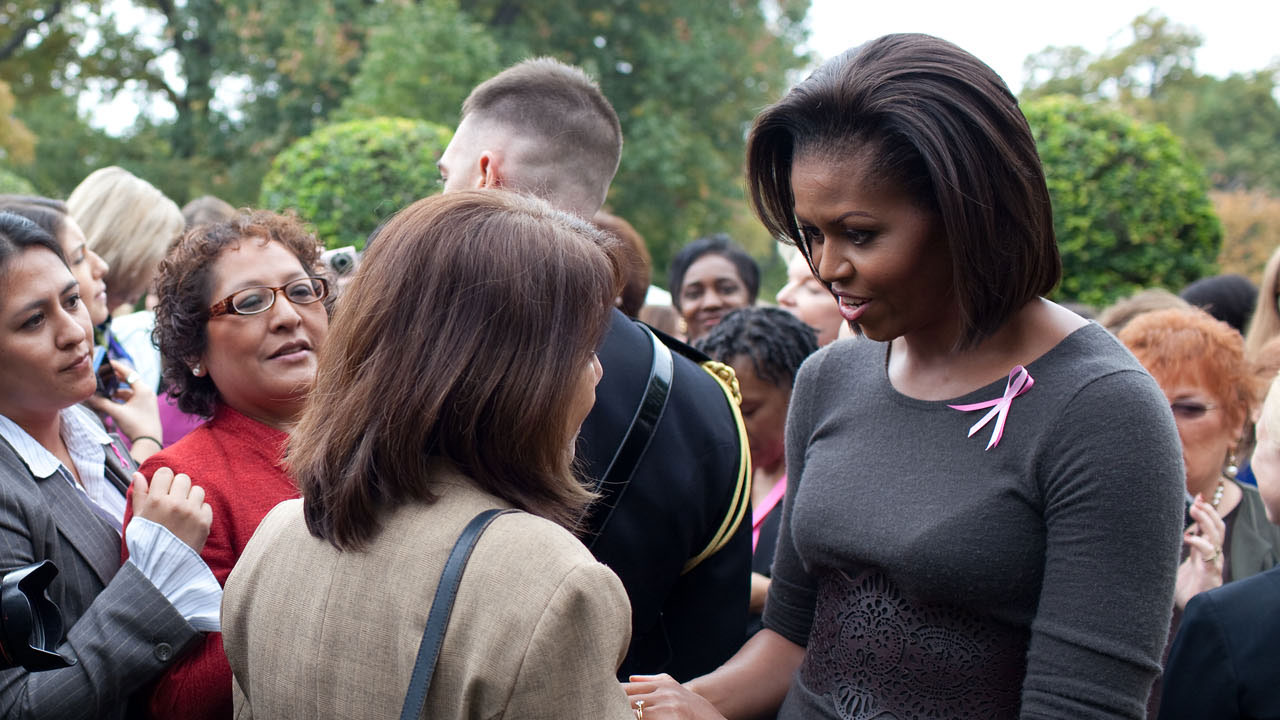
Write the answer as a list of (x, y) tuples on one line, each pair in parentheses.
[(174, 502)]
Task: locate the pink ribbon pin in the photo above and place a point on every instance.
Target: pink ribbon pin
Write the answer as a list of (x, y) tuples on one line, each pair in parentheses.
[(1019, 382)]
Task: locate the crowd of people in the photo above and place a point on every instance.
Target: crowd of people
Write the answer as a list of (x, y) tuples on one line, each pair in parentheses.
[(467, 482)]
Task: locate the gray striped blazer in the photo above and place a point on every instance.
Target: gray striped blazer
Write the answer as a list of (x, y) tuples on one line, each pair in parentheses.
[(121, 630)]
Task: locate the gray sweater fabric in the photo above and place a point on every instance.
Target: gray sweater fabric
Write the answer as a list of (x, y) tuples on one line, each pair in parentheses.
[(928, 577)]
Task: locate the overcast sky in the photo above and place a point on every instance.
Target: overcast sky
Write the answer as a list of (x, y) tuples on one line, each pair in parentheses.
[(1239, 35)]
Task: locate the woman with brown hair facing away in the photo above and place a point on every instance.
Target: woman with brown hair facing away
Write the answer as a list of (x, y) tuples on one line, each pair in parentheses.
[(458, 368), (984, 499)]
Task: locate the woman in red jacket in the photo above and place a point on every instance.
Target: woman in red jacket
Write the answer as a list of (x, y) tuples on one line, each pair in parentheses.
[(239, 324)]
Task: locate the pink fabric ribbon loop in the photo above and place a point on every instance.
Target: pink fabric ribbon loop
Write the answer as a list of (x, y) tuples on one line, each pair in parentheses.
[(1020, 381)]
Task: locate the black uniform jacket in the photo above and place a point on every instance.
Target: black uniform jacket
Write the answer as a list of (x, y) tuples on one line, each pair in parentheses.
[(688, 482)]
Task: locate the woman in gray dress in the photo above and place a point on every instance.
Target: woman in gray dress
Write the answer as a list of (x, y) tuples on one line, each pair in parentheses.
[(984, 499)]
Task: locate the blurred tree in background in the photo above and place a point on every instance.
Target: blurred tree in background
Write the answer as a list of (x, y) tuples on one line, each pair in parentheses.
[(226, 85), (1231, 125), (346, 179), (1130, 207)]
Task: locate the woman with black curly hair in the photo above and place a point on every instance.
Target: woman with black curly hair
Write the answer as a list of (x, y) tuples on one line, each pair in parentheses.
[(239, 324)]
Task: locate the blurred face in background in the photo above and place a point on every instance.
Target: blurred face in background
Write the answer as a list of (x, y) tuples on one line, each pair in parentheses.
[(808, 299), (88, 268), (1206, 432), (711, 289), (764, 413), (1266, 468)]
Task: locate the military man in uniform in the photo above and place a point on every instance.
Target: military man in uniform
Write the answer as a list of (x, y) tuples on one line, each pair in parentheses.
[(663, 444)]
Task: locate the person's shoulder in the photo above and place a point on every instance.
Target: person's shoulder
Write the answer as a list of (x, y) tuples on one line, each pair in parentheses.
[(1091, 352), (518, 536), (192, 452), (1253, 598)]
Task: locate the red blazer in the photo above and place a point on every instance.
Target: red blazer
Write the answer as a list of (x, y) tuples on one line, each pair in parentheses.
[(237, 460)]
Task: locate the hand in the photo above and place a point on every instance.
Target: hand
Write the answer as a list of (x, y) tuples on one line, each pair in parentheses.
[(1202, 570), (134, 409), (175, 503), (664, 698)]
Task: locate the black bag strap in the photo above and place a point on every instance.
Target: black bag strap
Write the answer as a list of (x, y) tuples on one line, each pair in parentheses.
[(634, 444), (438, 619)]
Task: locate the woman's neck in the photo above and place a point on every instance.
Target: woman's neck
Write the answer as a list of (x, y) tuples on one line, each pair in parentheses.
[(1208, 489), (44, 428), (930, 369), (764, 479)]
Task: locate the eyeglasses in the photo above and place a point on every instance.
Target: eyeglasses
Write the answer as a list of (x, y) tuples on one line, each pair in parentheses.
[(254, 300), (1190, 409)]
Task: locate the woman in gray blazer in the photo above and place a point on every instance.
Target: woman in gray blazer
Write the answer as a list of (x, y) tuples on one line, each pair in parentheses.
[(62, 496)]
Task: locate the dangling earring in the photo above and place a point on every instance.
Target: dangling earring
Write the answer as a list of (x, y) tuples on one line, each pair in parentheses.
[(1232, 468), (196, 370)]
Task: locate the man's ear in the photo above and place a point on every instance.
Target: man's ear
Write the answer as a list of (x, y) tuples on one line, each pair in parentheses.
[(491, 175)]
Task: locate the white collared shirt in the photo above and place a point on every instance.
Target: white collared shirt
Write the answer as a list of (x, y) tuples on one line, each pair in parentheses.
[(88, 444), (177, 571)]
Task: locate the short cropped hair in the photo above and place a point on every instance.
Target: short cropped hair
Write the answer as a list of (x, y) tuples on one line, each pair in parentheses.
[(457, 339), (1117, 315), (185, 285), (945, 128), (1229, 298), (776, 341), (206, 210), (574, 133), (718, 244), (128, 222), (1189, 344)]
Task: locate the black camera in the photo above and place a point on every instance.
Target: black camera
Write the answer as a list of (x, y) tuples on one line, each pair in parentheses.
[(30, 624)]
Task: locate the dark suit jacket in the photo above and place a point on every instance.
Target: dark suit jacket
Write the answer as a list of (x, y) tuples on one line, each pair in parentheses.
[(117, 625), (685, 624), (1224, 662)]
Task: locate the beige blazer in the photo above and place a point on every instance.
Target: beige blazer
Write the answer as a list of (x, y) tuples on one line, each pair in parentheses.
[(538, 629)]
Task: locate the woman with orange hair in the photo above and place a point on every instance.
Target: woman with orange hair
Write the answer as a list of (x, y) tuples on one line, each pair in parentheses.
[(1200, 365)]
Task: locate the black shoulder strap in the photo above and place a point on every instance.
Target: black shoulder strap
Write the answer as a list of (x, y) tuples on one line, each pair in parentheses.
[(639, 434), (438, 618)]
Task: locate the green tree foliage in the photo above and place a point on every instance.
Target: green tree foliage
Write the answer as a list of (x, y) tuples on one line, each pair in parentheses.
[(14, 184), (1131, 209), (346, 179), (686, 80), (17, 144), (422, 63), (225, 85), (1231, 125)]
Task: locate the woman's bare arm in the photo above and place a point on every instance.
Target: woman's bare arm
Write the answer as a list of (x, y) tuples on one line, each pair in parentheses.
[(751, 684)]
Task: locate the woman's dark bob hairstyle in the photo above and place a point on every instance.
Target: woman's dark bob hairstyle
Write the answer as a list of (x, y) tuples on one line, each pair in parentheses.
[(185, 283), (944, 127), (461, 338)]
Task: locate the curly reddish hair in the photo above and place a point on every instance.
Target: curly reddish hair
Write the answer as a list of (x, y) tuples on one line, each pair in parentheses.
[(185, 282), (1189, 344)]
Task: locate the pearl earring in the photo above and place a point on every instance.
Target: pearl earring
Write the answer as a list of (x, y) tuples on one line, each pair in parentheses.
[(195, 370)]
